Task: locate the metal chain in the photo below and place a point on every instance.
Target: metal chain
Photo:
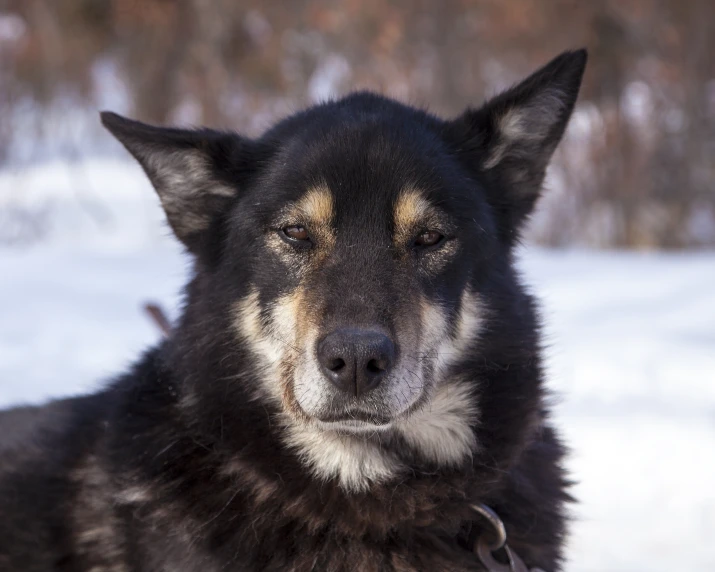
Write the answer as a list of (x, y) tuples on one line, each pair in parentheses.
[(494, 540)]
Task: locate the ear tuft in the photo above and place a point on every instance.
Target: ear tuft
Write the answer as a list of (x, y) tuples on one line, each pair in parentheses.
[(513, 136), (190, 170), (535, 112), (112, 120)]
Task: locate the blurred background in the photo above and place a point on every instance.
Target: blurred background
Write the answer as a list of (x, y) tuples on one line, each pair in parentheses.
[(620, 250)]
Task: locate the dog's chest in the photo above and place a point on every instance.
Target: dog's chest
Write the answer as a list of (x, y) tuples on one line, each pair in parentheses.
[(404, 529), (329, 553)]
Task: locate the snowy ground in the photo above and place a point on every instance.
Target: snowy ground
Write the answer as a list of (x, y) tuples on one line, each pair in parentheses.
[(632, 355)]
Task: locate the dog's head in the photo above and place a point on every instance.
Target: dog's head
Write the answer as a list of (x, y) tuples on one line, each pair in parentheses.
[(359, 250)]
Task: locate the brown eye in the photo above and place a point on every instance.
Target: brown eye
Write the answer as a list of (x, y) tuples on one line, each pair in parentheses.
[(428, 238), (295, 234)]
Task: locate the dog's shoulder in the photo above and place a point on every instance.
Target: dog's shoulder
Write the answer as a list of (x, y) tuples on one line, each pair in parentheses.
[(26, 433), (40, 450)]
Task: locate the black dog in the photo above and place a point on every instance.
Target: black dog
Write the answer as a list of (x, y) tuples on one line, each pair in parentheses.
[(356, 366)]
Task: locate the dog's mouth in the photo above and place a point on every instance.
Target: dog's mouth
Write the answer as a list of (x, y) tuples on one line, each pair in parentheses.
[(354, 417), (352, 425)]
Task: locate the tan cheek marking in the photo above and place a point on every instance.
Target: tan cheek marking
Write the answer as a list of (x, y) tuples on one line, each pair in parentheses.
[(450, 348), (279, 342), (270, 344), (470, 322), (432, 331), (434, 327), (247, 326), (291, 321)]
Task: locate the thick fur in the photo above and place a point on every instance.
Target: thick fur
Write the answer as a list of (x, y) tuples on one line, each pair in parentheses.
[(226, 448)]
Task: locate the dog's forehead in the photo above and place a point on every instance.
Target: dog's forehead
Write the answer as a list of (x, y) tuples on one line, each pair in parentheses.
[(367, 176)]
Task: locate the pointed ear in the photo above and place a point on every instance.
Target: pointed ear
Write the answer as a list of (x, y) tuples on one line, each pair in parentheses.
[(197, 173), (510, 139)]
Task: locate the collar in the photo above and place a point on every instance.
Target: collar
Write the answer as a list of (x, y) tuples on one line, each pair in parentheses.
[(493, 540)]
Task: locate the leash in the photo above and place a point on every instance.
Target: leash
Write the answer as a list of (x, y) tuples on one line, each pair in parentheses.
[(487, 544), (158, 316)]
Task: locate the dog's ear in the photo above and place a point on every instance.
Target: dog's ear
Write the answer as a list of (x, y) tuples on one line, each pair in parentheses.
[(511, 138), (197, 173)]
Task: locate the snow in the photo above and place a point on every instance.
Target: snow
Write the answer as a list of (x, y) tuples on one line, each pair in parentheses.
[(631, 350), (632, 359)]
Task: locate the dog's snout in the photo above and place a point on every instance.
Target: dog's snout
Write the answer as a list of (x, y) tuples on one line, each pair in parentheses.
[(356, 360)]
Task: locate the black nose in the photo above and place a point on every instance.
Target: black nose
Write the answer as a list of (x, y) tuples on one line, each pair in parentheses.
[(356, 360)]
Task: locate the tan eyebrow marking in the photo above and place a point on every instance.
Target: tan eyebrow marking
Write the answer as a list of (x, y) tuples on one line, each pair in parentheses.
[(317, 205), (316, 210), (411, 211)]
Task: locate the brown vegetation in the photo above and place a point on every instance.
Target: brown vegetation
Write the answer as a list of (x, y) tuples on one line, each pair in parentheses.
[(635, 171)]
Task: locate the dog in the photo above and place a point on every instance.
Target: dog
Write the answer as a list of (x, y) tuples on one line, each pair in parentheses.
[(356, 367)]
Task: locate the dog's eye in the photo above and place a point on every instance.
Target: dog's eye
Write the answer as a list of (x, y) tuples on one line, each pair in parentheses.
[(428, 238), (295, 234)]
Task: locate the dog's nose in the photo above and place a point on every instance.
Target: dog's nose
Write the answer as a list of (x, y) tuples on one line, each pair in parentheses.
[(356, 360)]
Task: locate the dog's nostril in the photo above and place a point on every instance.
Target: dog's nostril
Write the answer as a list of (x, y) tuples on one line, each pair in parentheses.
[(336, 365), (376, 366)]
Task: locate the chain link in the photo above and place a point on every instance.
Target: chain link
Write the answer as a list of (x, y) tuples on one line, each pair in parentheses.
[(493, 540)]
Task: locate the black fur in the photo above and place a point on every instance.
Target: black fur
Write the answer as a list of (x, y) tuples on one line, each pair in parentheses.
[(177, 465)]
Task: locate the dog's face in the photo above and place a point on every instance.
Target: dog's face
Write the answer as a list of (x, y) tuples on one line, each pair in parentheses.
[(364, 245), (357, 249)]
